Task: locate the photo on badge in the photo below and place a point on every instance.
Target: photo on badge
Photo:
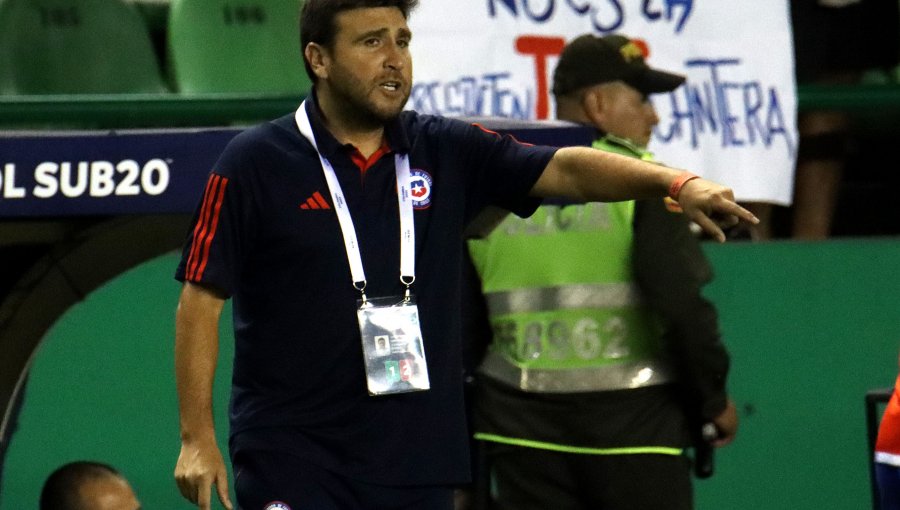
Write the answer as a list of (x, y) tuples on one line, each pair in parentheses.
[(382, 345)]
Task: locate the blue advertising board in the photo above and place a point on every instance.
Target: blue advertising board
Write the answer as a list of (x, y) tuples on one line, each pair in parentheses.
[(148, 172), (74, 174)]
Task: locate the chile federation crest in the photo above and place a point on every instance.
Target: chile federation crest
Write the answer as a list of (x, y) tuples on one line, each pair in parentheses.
[(420, 188)]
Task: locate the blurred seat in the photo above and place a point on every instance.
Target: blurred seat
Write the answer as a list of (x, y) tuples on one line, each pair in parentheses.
[(225, 46), (75, 47)]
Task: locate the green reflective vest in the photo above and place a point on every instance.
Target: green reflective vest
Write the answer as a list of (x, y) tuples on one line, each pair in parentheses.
[(565, 311)]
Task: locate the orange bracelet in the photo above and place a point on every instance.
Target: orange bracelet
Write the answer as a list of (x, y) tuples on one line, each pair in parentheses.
[(679, 182)]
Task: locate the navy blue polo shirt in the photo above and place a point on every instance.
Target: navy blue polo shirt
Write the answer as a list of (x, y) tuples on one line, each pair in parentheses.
[(266, 233)]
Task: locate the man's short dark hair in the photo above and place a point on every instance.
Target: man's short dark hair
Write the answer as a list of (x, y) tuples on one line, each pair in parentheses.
[(317, 20), (60, 490)]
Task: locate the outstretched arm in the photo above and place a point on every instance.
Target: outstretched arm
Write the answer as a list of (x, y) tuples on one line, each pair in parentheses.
[(200, 464), (585, 174)]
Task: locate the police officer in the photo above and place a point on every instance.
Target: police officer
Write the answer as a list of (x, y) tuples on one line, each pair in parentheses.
[(604, 355)]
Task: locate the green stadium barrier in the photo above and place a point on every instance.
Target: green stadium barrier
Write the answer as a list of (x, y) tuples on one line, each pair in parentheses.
[(178, 110)]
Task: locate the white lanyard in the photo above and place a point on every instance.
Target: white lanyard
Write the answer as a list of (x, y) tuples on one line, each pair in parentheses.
[(404, 200)]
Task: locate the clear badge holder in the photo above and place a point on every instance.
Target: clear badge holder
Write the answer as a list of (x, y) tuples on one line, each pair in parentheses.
[(392, 345)]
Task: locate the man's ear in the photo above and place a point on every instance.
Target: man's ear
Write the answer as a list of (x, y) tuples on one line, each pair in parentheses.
[(318, 59), (593, 103)]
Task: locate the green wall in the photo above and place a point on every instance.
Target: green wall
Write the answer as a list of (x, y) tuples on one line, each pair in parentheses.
[(811, 328)]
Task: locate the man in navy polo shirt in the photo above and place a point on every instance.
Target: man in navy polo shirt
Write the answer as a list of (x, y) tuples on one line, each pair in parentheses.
[(337, 231)]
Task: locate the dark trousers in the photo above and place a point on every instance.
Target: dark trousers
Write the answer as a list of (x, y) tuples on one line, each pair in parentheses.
[(888, 478), (265, 478), (534, 479)]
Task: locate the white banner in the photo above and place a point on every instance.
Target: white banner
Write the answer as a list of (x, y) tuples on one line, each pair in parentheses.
[(734, 121)]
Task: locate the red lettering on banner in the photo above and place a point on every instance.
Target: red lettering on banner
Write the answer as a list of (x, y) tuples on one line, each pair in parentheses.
[(541, 47)]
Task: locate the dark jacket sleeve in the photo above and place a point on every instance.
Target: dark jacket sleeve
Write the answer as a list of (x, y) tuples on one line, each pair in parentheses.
[(671, 270)]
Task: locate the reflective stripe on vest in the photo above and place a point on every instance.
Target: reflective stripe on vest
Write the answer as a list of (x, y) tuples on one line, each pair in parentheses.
[(619, 376), (565, 313), (607, 295)]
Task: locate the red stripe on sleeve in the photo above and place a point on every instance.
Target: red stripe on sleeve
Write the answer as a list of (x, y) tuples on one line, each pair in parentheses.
[(486, 130), (204, 230), (200, 227), (220, 197)]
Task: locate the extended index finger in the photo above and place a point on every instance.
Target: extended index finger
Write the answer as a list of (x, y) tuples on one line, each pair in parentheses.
[(730, 207)]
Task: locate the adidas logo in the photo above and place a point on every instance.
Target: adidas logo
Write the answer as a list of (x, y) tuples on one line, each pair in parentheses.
[(316, 201)]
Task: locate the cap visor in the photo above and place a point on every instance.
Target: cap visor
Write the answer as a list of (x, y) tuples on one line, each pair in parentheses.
[(654, 81)]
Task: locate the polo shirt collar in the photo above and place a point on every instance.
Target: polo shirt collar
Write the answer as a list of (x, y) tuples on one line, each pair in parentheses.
[(329, 146)]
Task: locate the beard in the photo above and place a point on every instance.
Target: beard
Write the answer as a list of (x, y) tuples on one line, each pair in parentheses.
[(358, 102)]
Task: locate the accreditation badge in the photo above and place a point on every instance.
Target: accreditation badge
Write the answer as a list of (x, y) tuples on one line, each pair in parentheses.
[(392, 345)]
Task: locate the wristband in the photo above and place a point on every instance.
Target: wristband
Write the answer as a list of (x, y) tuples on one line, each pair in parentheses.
[(679, 182)]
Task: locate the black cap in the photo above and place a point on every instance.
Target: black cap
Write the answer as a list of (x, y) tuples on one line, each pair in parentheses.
[(589, 60)]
